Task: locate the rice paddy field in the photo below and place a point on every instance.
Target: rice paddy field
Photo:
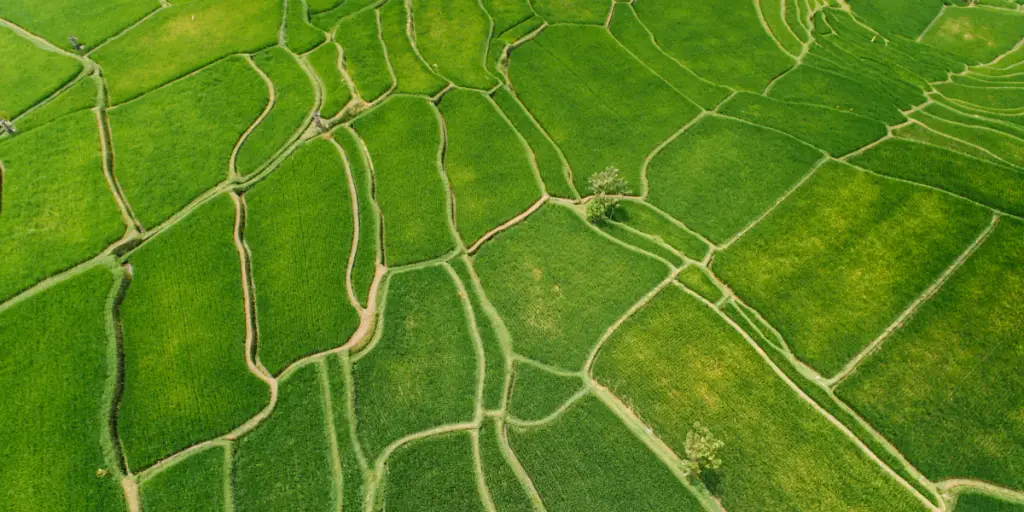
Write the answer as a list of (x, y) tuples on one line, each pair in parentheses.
[(512, 255)]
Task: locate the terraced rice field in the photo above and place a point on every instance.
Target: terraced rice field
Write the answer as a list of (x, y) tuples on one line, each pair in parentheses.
[(339, 255)]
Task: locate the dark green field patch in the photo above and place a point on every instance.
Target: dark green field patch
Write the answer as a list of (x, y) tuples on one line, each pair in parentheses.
[(907, 18), (58, 360), (638, 240), (495, 366), (1006, 147), (411, 72), (326, 61), (28, 73), (198, 480), (964, 419), (175, 143), (452, 36), (558, 285), (839, 260), (286, 460), (185, 378), (592, 12), (507, 13), (996, 98), (641, 216), (678, 362), (403, 137), (293, 104), (536, 393), (365, 57), (721, 174), (567, 78), (919, 133), (507, 492), (971, 502), (486, 163), (811, 84), (588, 460), (976, 34), (433, 474), (56, 206), (423, 371), (299, 230)]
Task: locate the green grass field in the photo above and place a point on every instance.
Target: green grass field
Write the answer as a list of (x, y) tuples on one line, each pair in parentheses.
[(505, 255)]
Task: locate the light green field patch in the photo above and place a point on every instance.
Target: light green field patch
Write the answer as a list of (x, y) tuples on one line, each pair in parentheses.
[(328, 20), (811, 84), (486, 163), (567, 77), (411, 73), (979, 34), (57, 210), (365, 57), (80, 96), (507, 493), (28, 73), (368, 247), (185, 378), (918, 133), (831, 130), (58, 359), (907, 18), (966, 340), (774, 19), (536, 393), (433, 474), (719, 41), (558, 285), (840, 259), (643, 217), (319, 6), (722, 174), (197, 480), (423, 371), (286, 460), (507, 13), (174, 144), (592, 12), (183, 38), (91, 22), (700, 281), (452, 36), (588, 460), (678, 362), (990, 184), (326, 61), (300, 36), (403, 136), (293, 104), (299, 230)]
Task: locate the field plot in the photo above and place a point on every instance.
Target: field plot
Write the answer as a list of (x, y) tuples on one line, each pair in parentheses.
[(593, 12), (537, 393), (365, 57), (979, 34), (423, 369), (566, 78), (91, 22), (199, 480), (81, 95), (907, 18), (28, 73), (367, 255), (61, 361), (588, 460), (339, 379), (185, 378), (840, 259), (982, 503), (411, 72), (163, 165), (326, 61), (299, 230), (300, 36), (56, 206), (677, 362), (453, 36), (542, 277), (433, 474), (507, 492), (963, 421)]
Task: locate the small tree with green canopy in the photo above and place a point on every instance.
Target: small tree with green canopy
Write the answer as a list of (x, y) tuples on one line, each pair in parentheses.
[(605, 185), (701, 452)]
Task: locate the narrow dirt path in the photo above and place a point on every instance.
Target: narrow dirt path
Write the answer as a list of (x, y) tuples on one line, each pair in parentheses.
[(508, 224)]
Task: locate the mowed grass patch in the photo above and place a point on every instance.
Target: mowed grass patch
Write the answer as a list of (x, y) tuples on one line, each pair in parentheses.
[(831, 130), (588, 460), (183, 38), (487, 164), (294, 97), (365, 57), (721, 174), (285, 463), (721, 42), (197, 480), (58, 361), (82, 95), (403, 136), (326, 61), (641, 216), (907, 18), (57, 208), (843, 256), (558, 284), (175, 143), (592, 12), (435, 473), (452, 36), (300, 36), (411, 73), (627, 28), (91, 22), (978, 34), (553, 169), (678, 362), (568, 77), (299, 230), (368, 246), (994, 185), (507, 492), (28, 73), (964, 419), (970, 502), (185, 378), (423, 371), (537, 393)]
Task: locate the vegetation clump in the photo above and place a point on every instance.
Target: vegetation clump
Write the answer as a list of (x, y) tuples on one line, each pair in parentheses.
[(701, 452), (606, 186)]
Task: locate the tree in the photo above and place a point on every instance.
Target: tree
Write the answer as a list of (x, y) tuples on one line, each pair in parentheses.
[(701, 452), (603, 185)]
